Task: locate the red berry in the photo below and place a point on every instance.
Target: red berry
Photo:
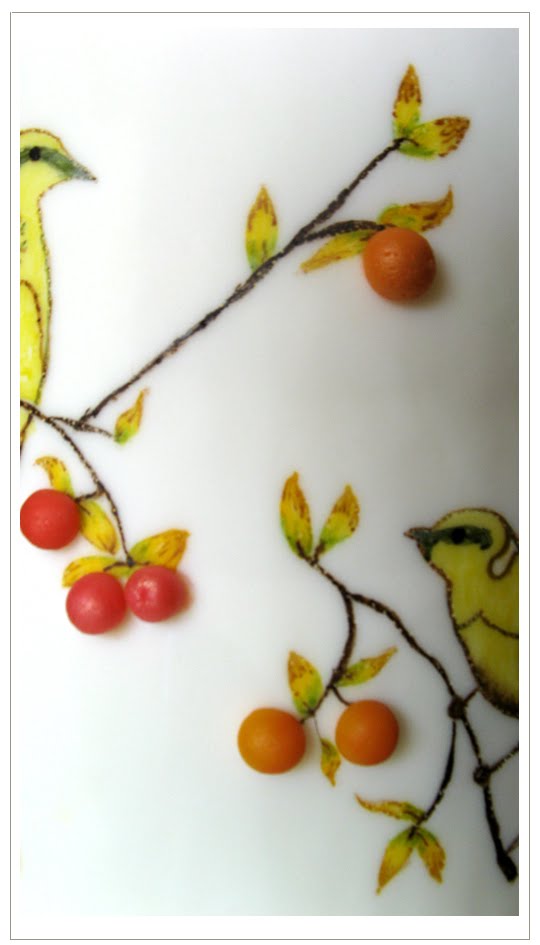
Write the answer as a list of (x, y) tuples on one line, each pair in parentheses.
[(155, 593), (399, 264), (50, 519), (96, 603)]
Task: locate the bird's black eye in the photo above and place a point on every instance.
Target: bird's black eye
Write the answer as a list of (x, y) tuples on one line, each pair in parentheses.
[(458, 535), (34, 154)]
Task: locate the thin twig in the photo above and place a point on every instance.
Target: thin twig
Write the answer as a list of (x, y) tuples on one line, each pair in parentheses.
[(446, 778), (82, 426)]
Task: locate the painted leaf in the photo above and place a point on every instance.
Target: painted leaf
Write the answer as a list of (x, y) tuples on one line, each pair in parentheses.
[(129, 422), (330, 760), (97, 527), (305, 683), (435, 138), (342, 521), (419, 216), (81, 566), (396, 856), (261, 230), (295, 517), (59, 477), (407, 104), (401, 810), (342, 246), (365, 669), (431, 852), (166, 548)]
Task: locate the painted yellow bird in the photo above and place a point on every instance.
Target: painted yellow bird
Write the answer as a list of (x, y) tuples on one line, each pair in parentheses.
[(476, 552), (44, 163)]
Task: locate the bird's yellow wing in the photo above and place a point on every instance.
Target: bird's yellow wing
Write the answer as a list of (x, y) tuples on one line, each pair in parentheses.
[(31, 364), (494, 659)]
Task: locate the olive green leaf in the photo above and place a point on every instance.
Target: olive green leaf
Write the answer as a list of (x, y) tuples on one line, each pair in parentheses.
[(166, 548), (395, 857), (81, 566), (59, 477), (330, 760), (400, 810), (365, 669), (407, 104), (305, 683), (129, 422), (261, 230), (419, 216), (341, 523), (97, 527), (435, 138), (431, 853), (295, 517), (342, 246)]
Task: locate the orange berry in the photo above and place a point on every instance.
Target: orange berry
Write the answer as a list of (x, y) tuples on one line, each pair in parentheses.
[(399, 264), (367, 732), (271, 741)]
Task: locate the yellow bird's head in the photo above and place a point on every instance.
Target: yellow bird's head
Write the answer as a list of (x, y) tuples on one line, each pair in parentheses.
[(468, 541), (46, 162)]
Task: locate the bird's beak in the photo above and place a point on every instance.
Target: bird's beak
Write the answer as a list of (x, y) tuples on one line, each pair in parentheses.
[(67, 166), (79, 171), (425, 538)]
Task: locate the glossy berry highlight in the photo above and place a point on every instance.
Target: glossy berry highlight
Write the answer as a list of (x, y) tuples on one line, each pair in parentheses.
[(155, 593), (271, 741), (399, 264), (367, 732), (96, 603), (50, 519)]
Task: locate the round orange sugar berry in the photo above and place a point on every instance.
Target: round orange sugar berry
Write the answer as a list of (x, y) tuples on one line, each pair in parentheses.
[(271, 741), (399, 264), (367, 732)]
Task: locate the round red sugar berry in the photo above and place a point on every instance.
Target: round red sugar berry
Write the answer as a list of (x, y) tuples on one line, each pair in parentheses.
[(156, 593), (50, 519), (399, 264), (96, 603)]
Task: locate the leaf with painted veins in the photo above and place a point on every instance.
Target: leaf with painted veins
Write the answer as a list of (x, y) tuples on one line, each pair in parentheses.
[(396, 856), (400, 810), (342, 246), (365, 669), (431, 853), (81, 566), (129, 422), (261, 230), (341, 523), (295, 517), (59, 477), (407, 104), (166, 549), (419, 216), (97, 527), (436, 138), (305, 683), (330, 760)]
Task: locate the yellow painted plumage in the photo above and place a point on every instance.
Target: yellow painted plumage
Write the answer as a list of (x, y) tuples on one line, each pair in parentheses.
[(45, 162), (476, 552)]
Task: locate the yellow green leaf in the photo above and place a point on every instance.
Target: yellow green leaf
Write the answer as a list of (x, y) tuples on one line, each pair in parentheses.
[(81, 566), (295, 517), (407, 104), (59, 477), (305, 683), (419, 216), (435, 138), (341, 523), (330, 760), (365, 669), (342, 246), (261, 230), (401, 810), (166, 548), (121, 569), (396, 856), (129, 422), (431, 852), (97, 527)]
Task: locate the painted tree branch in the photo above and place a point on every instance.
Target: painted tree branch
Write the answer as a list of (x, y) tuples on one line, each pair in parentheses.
[(303, 235)]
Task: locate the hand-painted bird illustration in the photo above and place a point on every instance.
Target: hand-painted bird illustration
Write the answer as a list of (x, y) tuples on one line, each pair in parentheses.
[(44, 163), (476, 552)]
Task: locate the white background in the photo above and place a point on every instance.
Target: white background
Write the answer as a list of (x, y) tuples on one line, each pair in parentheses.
[(133, 800)]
